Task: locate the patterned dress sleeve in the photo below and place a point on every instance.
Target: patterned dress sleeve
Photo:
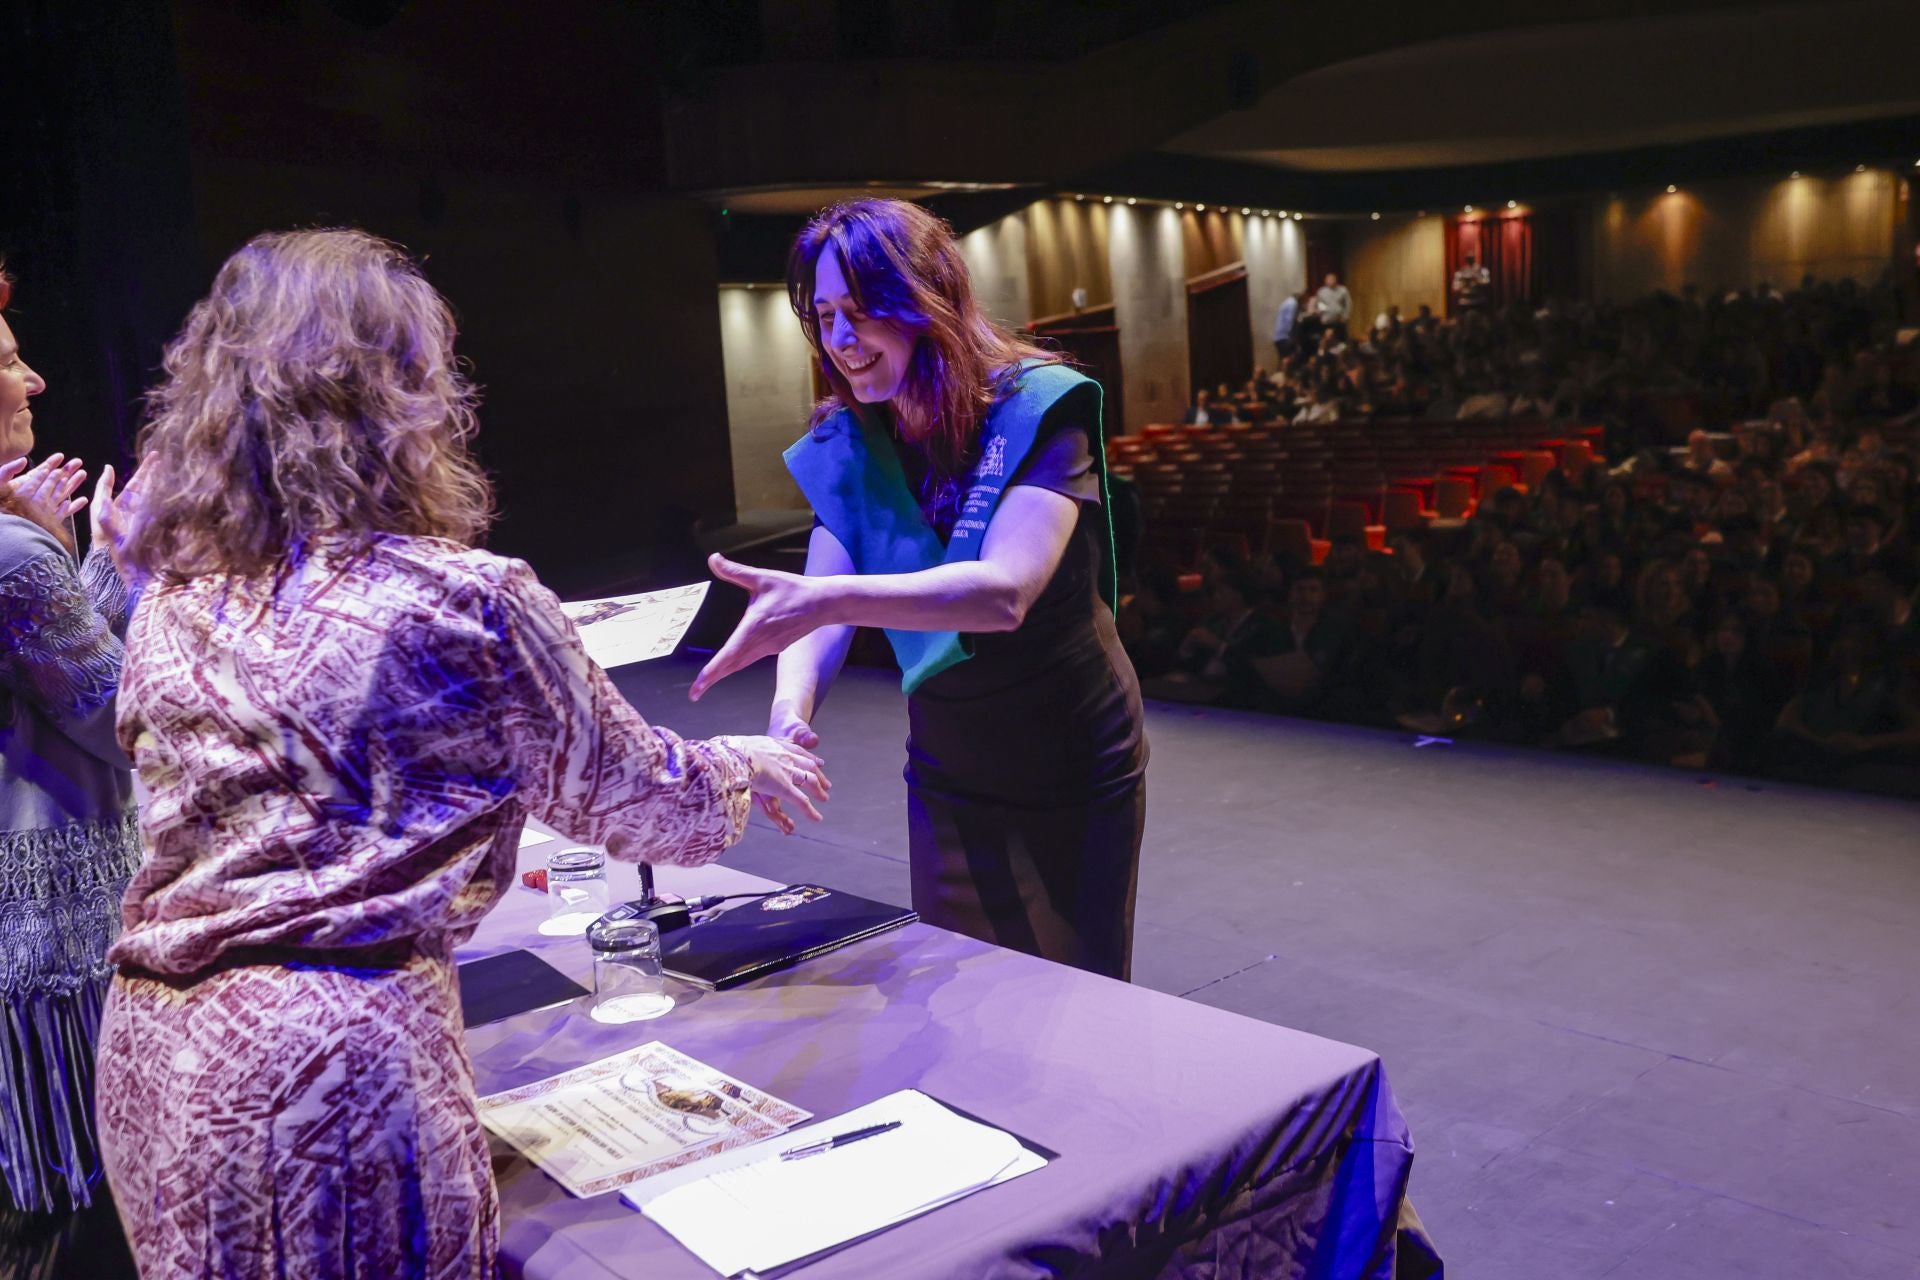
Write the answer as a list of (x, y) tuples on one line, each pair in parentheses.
[(586, 760), (62, 654)]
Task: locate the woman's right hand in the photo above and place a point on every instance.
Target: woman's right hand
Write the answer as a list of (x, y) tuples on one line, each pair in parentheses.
[(784, 772)]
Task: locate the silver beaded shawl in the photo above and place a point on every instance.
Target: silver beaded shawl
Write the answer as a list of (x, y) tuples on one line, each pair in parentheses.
[(68, 844)]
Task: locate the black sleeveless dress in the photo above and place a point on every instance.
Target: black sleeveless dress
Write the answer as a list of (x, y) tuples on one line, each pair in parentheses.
[(1026, 764)]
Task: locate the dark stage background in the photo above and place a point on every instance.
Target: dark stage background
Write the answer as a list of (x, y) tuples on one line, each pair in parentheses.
[(516, 148)]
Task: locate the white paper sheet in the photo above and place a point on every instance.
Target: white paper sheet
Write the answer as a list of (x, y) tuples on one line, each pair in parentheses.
[(601, 1126), (751, 1210), (624, 629)]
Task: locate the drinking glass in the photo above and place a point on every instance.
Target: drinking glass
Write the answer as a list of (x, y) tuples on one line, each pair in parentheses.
[(577, 891), (629, 982)]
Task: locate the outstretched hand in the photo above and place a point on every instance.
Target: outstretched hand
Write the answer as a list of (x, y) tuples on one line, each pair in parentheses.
[(785, 772), (781, 608)]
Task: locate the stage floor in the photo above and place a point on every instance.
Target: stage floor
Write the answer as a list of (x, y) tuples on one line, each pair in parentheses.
[(1646, 1024)]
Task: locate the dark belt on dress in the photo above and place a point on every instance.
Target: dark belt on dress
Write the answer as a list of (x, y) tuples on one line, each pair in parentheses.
[(395, 954)]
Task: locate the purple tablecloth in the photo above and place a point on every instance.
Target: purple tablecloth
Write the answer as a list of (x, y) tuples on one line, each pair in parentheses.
[(1193, 1143)]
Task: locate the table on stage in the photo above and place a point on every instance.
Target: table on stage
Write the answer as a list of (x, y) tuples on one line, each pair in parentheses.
[(1192, 1142)]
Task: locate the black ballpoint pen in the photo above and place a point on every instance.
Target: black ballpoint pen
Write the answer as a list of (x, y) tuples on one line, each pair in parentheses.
[(840, 1140)]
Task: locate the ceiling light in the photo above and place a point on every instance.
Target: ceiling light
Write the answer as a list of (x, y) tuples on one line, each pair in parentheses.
[(1859, 168), (1376, 215), (1297, 216), (1246, 213), (1199, 208), (1796, 172), (1080, 197), (1266, 213), (1178, 205), (1106, 199), (1513, 204), (1131, 201), (1671, 189), (1469, 209)]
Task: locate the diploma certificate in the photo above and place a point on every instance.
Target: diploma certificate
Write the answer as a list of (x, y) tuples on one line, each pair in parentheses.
[(624, 629), (599, 1127)]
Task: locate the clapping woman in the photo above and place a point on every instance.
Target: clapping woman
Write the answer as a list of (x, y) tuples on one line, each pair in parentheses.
[(343, 713), (67, 836)]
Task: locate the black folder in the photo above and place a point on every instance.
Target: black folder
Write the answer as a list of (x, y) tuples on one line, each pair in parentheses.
[(511, 983), (775, 932)]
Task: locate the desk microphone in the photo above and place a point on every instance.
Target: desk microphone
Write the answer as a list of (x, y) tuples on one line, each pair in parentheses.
[(666, 914)]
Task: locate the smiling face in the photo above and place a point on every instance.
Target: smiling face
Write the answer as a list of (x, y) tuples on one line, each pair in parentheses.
[(18, 384), (871, 354)]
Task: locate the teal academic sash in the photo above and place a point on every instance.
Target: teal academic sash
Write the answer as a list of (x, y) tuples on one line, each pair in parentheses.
[(851, 476)]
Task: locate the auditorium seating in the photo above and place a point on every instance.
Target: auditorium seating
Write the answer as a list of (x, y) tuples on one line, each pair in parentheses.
[(1292, 489)]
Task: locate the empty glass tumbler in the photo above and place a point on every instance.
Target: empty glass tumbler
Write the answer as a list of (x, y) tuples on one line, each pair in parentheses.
[(577, 891), (629, 982)]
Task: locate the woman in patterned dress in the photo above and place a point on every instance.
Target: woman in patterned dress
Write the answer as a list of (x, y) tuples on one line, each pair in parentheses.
[(343, 714)]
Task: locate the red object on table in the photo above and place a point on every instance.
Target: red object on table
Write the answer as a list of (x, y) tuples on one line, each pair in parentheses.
[(535, 879)]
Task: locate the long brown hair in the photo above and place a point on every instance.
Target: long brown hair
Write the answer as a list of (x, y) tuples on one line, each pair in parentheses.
[(313, 391), (904, 267)]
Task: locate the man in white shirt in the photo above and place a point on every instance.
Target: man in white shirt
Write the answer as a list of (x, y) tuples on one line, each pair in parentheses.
[(1472, 286), (1334, 303)]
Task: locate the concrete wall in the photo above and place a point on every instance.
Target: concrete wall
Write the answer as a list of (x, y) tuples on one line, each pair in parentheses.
[(769, 392), (996, 257), (1276, 266), (1150, 308)]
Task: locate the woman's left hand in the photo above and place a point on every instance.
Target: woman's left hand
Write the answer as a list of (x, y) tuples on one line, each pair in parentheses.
[(44, 493), (782, 607)]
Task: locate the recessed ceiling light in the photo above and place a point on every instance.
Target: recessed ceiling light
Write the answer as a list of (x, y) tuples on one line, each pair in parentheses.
[(1796, 172), (1132, 201), (1178, 205), (1200, 208), (1080, 197), (1859, 168), (1297, 217), (1513, 204), (1106, 199), (1246, 213), (1469, 209), (1671, 189), (1266, 213), (1376, 215)]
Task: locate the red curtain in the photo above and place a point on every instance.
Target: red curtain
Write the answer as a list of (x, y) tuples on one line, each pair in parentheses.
[(1323, 256), (1504, 246)]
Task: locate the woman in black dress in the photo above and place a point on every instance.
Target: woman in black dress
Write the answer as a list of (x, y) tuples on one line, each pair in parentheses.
[(957, 480)]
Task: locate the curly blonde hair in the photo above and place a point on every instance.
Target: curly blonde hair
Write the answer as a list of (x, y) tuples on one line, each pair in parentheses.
[(312, 392)]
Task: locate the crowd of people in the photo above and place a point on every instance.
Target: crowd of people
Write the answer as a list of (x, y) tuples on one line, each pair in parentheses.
[(1743, 602), (1828, 343)]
